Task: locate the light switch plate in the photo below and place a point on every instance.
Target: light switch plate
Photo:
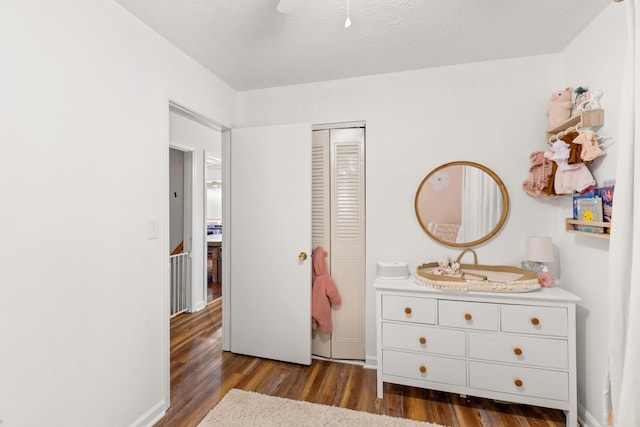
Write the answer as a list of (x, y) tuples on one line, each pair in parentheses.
[(153, 229)]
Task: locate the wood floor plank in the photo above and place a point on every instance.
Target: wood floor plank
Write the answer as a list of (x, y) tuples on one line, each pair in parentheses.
[(366, 392), (201, 374)]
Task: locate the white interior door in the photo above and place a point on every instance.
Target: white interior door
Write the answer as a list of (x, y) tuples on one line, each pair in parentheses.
[(270, 210)]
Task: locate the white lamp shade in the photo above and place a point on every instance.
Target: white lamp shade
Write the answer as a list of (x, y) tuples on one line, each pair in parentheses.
[(538, 249)]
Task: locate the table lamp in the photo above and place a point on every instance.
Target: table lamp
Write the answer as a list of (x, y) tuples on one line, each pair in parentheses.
[(537, 251)]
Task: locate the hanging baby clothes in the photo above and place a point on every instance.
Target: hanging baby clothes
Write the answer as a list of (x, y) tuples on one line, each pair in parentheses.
[(569, 178), (551, 179), (540, 177), (324, 292), (560, 152), (573, 180), (574, 149), (590, 148)]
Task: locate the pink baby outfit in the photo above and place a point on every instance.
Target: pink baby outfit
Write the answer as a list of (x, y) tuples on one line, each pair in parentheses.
[(569, 178), (573, 180), (540, 173), (324, 292), (590, 147)]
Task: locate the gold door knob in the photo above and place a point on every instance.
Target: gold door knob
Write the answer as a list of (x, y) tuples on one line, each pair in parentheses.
[(302, 256), (517, 351), (423, 340), (518, 383), (468, 316), (423, 369), (535, 321), (407, 310)]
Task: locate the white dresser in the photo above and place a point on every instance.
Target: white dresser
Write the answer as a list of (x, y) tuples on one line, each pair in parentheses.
[(517, 347)]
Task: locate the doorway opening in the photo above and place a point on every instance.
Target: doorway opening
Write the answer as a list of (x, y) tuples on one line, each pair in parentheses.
[(338, 218), (202, 138), (282, 208), (190, 137)]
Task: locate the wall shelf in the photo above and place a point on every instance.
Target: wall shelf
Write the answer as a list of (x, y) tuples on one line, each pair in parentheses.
[(593, 119), (570, 222)]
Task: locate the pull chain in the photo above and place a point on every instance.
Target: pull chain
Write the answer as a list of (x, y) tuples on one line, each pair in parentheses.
[(347, 23)]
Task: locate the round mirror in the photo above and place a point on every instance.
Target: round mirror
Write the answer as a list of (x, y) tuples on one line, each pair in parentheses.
[(461, 204)]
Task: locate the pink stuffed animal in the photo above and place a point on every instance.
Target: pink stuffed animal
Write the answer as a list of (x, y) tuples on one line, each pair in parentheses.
[(324, 292), (560, 110)]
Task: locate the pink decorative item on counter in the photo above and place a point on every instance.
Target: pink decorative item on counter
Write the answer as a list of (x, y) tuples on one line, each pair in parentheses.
[(546, 279)]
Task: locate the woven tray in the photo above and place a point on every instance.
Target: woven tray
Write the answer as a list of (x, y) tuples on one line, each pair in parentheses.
[(479, 278)]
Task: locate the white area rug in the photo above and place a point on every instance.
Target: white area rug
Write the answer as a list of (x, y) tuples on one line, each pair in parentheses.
[(247, 408)]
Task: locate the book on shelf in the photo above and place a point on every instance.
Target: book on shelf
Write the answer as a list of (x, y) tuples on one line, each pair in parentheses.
[(589, 209), (606, 194), (587, 194)]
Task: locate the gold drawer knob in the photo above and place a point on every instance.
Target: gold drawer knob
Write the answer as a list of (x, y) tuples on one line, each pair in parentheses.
[(423, 369), (517, 351), (468, 316), (423, 340), (407, 310), (518, 382), (535, 321)]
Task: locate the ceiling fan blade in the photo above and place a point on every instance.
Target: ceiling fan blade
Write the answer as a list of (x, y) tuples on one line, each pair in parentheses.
[(291, 6)]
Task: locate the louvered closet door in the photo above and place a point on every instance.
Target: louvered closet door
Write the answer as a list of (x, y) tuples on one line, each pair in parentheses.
[(347, 241), (320, 217)]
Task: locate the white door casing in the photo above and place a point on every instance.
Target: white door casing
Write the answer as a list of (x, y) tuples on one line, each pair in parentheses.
[(270, 210)]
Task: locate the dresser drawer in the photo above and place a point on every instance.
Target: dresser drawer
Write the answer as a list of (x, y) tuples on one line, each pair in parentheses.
[(533, 351), (409, 309), (519, 380), (531, 319), (428, 339), (468, 315), (424, 367)]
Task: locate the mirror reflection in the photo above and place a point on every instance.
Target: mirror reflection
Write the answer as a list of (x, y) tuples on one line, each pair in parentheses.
[(461, 204)]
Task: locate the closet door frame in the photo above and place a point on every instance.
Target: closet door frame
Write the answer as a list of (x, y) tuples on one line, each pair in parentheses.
[(346, 252)]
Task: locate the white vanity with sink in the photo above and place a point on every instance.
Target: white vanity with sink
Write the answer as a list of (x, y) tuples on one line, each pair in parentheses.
[(516, 347)]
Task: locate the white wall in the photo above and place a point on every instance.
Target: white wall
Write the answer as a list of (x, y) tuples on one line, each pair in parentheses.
[(83, 125), (594, 59), (199, 139), (493, 113)]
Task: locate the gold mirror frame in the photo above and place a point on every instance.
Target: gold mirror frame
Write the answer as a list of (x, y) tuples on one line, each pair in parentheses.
[(501, 221)]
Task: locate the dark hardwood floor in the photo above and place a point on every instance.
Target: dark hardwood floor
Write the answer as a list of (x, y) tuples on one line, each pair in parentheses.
[(201, 374)]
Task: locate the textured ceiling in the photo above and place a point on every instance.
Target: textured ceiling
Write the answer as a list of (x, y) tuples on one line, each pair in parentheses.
[(250, 45)]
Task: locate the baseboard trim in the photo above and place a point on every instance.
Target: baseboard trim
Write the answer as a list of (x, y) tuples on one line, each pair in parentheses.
[(586, 419), (371, 362), (198, 307), (152, 416), (347, 361)]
